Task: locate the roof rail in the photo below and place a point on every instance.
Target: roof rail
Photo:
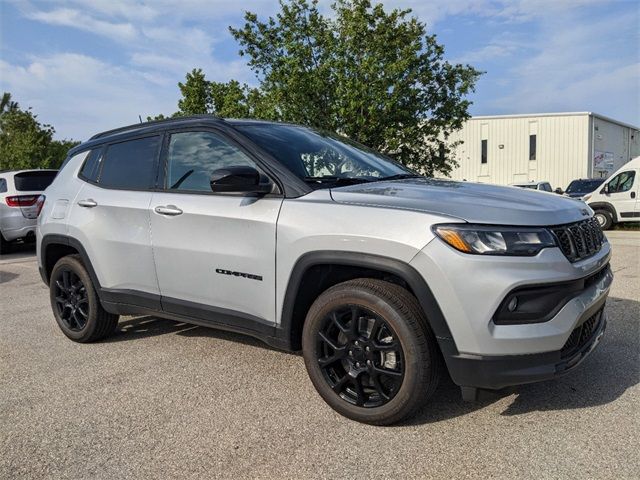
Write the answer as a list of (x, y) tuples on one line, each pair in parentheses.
[(137, 126)]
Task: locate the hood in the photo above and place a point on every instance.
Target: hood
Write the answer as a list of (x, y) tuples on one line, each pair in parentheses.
[(473, 202)]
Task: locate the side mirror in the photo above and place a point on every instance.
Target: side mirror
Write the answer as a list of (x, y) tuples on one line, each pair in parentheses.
[(238, 179), (559, 191), (605, 188)]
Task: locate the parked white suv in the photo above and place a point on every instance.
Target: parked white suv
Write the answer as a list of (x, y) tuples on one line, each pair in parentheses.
[(20, 191), (309, 241)]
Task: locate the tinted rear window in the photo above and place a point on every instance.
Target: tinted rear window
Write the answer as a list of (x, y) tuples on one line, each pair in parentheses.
[(131, 165), (91, 165), (33, 181)]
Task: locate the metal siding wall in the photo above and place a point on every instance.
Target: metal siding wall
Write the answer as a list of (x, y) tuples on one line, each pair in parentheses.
[(562, 150), (615, 139)]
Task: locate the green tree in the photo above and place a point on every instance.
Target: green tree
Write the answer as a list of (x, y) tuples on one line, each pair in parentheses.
[(372, 75), (6, 104), (196, 95), (231, 99), (26, 143)]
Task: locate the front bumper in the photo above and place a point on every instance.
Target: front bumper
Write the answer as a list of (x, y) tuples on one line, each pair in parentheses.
[(483, 352), (496, 372)]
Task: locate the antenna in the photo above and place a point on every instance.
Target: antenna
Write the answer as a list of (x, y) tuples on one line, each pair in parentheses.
[(140, 118)]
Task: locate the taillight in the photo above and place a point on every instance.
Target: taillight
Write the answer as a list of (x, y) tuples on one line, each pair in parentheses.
[(39, 204), (22, 200)]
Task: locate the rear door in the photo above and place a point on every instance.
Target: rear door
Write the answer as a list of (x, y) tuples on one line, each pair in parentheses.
[(214, 253), (110, 217)]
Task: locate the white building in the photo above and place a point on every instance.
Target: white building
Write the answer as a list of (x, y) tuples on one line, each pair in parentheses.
[(554, 147)]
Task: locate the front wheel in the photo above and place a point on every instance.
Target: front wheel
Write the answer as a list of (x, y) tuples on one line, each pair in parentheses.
[(369, 351), (604, 218), (76, 305)]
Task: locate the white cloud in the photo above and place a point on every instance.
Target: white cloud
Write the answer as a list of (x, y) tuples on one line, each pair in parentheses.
[(503, 45), (563, 64), (73, 18), (81, 95), (577, 66)]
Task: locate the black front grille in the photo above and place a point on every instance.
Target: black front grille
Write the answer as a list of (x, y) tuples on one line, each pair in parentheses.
[(579, 240), (581, 335)]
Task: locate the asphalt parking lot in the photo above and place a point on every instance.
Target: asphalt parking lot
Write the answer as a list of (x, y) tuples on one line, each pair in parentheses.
[(168, 400)]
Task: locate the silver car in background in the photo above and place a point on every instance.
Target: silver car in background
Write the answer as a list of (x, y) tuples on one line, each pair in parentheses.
[(20, 191)]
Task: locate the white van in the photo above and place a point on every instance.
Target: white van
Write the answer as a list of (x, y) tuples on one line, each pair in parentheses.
[(617, 200)]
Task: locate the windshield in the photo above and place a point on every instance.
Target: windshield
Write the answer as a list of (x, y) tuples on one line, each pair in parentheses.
[(584, 186), (323, 158)]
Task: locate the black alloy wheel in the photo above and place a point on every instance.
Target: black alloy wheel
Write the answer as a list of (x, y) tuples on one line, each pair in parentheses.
[(71, 299), (360, 356), (75, 303), (369, 351)]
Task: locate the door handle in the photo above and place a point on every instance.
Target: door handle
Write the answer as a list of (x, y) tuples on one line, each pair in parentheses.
[(170, 210), (633, 194), (88, 203)]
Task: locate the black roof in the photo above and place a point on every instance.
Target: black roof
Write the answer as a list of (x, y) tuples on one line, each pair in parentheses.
[(155, 124), (159, 125), (180, 121)]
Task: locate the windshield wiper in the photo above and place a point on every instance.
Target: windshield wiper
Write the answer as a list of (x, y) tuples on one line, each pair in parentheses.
[(336, 180), (400, 176)]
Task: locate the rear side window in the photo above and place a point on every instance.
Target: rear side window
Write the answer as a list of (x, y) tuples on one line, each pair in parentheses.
[(131, 165), (3, 185), (35, 181), (91, 166)]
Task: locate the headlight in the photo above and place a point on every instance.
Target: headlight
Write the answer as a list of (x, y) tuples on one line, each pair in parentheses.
[(489, 240)]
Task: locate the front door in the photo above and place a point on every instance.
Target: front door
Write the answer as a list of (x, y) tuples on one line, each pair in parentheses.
[(622, 193), (214, 253)]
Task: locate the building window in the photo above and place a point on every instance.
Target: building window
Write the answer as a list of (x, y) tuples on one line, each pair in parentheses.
[(532, 147), (483, 157)]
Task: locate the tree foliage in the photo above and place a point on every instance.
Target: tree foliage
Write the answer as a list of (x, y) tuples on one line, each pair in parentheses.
[(372, 75), (26, 143), (196, 97)]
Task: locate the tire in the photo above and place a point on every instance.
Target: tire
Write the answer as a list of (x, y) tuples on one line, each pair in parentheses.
[(75, 303), (5, 247), (357, 374), (605, 219)]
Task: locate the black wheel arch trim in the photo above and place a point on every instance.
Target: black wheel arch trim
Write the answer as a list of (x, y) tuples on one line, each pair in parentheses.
[(605, 206), (392, 266)]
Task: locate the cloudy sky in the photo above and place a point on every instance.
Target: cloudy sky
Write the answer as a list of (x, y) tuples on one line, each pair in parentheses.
[(90, 65)]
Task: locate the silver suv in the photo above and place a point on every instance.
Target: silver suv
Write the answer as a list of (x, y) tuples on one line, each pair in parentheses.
[(20, 203), (383, 278)]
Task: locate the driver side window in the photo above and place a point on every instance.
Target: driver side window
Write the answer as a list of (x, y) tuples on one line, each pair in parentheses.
[(194, 156), (622, 182)]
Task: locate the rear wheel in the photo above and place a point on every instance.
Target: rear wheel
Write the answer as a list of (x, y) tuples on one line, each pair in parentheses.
[(369, 351), (4, 245), (604, 218), (75, 303)]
